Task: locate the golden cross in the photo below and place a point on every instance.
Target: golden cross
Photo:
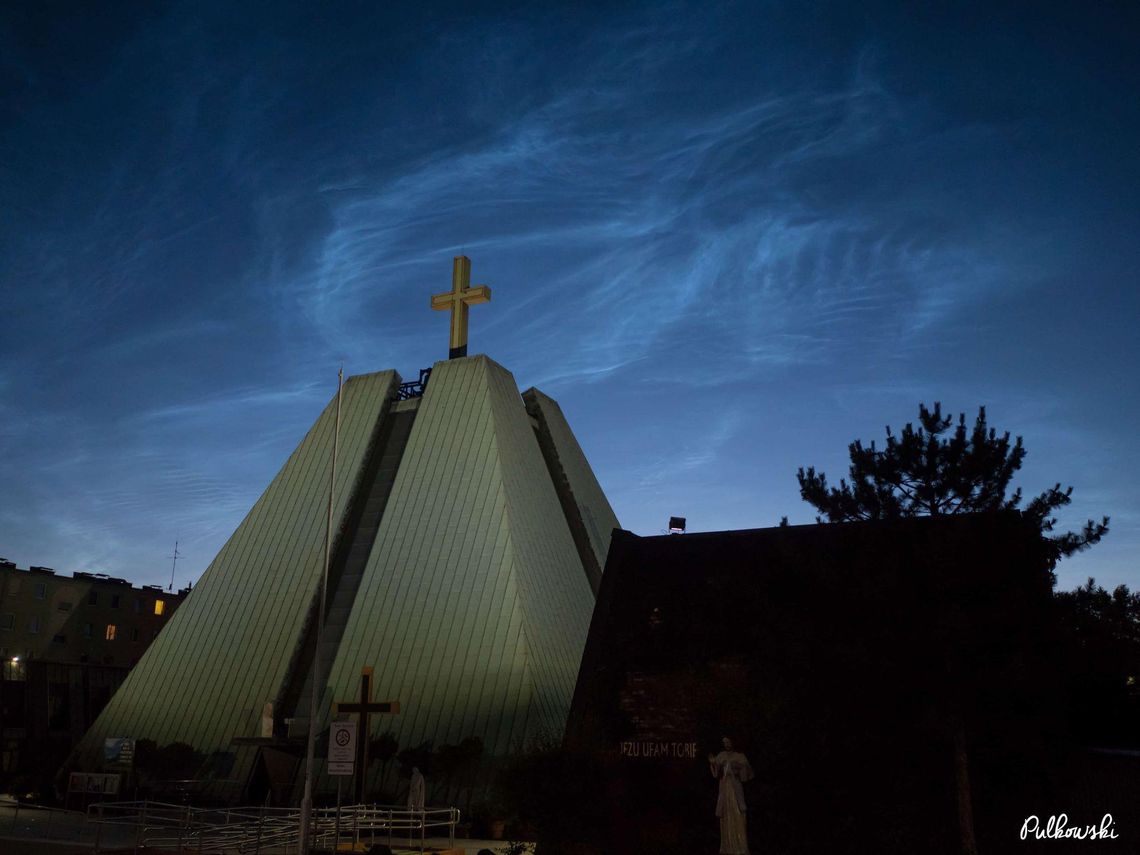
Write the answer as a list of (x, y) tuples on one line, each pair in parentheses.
[(457, 300)]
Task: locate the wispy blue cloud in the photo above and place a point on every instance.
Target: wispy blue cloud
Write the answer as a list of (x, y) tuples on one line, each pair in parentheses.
[(729, 242), (666, 226)]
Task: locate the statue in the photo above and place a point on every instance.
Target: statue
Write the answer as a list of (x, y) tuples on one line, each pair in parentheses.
[(731, 769), (416, 790)]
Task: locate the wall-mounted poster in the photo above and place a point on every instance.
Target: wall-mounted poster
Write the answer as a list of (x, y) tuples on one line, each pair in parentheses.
[(96, 784)]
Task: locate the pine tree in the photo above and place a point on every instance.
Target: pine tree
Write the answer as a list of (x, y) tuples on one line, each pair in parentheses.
[(928, 471)]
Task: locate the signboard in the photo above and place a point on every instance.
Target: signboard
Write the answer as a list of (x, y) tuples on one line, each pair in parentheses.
[(119, 750), (342, 747)]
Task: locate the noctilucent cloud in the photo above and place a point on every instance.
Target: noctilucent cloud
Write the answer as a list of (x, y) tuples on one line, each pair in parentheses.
[(728, 238)]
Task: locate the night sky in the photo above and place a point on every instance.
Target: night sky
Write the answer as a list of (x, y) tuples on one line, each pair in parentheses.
[(727, 240)]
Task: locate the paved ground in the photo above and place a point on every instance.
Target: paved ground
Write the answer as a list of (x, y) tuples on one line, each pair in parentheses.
[(11, 846), (61, 827), (28, 830), (30, 847)]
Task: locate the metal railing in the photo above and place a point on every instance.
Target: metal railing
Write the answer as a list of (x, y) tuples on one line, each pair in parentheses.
[(182, 828), (414, 388)]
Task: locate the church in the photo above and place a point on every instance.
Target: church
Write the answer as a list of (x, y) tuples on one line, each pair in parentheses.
[(468, 534)]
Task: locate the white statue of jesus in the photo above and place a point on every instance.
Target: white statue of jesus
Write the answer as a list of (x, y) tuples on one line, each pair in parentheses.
[(731, 769), (416, 790)]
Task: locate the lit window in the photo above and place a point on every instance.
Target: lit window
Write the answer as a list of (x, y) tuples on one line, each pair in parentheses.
[(159, 607), (7, 621), (14, 670), (34, 624), (41, 590), (110, 632)]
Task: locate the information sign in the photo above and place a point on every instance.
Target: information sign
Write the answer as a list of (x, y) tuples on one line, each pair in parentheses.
[(342, 748)]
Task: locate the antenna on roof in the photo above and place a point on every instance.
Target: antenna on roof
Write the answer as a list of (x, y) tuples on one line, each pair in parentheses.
[(173, 564)]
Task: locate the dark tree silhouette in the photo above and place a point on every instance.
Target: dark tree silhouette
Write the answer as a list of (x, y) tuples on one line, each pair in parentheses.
[(456, 764), (1099, 662), (422, 757), (931, 471), (926, 471), (383, 750)]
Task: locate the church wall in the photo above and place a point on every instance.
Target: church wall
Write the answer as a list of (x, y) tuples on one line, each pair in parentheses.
[(474, 606), (593, 508), (437, 613), (224, 653), (556, 597)]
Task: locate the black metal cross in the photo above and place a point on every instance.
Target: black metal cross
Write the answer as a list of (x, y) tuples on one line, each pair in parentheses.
[(364, 709)]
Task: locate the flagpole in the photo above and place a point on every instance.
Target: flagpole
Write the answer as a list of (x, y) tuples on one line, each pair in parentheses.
[(311, 750)]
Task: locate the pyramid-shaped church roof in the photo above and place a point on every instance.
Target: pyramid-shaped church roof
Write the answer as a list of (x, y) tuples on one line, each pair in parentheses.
[(469, 534)]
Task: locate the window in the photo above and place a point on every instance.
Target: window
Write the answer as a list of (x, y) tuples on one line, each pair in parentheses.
[(14, 585), (41, 590), (110, 634), (114, 601), (7, 621), (64, 606), (93, 598), (34, 624), (134, 633), (138, 606), (59, 639), (159, 607), (14, 670), (88, 630)]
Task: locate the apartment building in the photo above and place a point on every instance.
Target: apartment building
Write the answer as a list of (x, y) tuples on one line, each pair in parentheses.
[(81, 618), (66, 644)]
